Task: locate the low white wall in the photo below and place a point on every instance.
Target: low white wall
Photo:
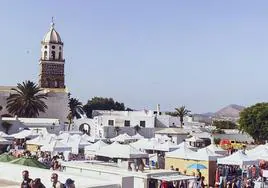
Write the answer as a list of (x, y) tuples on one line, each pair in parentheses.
[(14, 173)]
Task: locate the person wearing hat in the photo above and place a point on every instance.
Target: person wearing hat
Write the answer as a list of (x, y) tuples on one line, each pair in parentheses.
[(69, 183)]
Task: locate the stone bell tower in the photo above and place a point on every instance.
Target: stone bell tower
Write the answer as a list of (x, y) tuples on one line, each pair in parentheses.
[(52, 61)]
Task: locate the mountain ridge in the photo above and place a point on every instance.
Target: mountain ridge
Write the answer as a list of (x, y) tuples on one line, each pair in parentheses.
[(231, 110)]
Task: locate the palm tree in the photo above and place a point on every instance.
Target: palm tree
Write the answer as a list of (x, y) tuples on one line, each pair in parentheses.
[(27, 101), (117, 130), (6, 125), (74, 106), (181, 113), (137, 128)]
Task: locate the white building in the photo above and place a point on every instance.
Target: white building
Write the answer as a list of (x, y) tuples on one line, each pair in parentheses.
[(51, 78), (175, 135), (142, 118)]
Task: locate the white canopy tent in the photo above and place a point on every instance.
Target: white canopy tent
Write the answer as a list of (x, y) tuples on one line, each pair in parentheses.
[(257, 149), (260, 155), (215, 149), (140, 144), (151, 144), (201, 155), (4, 141), (41, 140), (82, 141), (154, 144), (137, 136), (63, 136), (91, 149), (116, 150), (122, 138), (25, 134), (182, 153), (206, 154), (238, 158), (194, 139), (4, 135), (56, 146), (166, 146), (88, 138), (187, 145), (75, 141)]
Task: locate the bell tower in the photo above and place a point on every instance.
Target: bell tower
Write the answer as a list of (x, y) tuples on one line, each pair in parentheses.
[(52, 61)]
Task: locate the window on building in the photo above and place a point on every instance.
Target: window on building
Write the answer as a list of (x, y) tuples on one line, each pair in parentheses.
[(53, 55), (127, 123), (59, 55), (53, 47), (111, 122), (45, 54), (142, 123), (60, 47), (45, 47)]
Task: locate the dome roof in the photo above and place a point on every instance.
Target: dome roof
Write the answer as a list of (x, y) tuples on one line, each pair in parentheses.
[(52, 35)]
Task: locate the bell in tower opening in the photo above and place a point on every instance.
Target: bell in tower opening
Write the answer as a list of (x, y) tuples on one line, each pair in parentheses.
[(52, 61)]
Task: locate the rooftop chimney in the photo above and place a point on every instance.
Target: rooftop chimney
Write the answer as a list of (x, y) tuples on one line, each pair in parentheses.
[(158, 109)]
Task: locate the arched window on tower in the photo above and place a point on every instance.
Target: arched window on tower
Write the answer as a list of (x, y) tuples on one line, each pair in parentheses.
[(59, 55), (45, 54), (53, 55)]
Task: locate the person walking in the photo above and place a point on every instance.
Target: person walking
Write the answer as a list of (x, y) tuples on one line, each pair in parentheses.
[(55, 182), (26, 183), (69, 183), (36, 183)]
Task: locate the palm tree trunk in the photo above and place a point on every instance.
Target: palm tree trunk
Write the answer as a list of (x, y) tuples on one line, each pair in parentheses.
[(69, 126), (181, 120)]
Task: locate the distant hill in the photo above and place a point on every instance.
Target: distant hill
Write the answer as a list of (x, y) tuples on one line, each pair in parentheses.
[(231, 111), (208, 114)]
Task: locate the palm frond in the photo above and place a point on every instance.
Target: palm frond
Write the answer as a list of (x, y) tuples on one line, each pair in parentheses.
[(26, 101)]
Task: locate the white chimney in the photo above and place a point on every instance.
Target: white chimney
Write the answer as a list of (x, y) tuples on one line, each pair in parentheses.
[(158, 109)]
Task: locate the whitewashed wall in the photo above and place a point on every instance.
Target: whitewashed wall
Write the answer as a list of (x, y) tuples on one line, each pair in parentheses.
[(57, 103), (13, 173)]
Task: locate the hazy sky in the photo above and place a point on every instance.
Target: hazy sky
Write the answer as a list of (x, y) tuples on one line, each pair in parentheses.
[(202, 54)]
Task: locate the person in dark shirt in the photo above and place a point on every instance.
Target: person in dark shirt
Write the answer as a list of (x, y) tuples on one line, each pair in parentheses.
[(37, 183), (26, 183)]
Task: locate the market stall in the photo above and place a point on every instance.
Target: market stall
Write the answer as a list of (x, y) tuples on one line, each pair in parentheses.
[(234, 168)]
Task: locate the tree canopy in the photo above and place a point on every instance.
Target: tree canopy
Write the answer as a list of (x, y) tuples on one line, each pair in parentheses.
[(224, 124), (26, 101), (254, 121), (180, 112), (100, 103), (75, 106)]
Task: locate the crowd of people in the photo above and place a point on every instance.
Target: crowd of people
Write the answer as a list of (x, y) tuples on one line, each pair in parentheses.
[(234, 177), (27, 182), (45, 158)]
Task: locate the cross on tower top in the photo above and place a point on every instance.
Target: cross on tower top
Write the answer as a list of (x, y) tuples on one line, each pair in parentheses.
[(52, 22)]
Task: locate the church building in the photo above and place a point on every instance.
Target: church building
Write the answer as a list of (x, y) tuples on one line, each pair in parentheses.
[(51, 78)]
